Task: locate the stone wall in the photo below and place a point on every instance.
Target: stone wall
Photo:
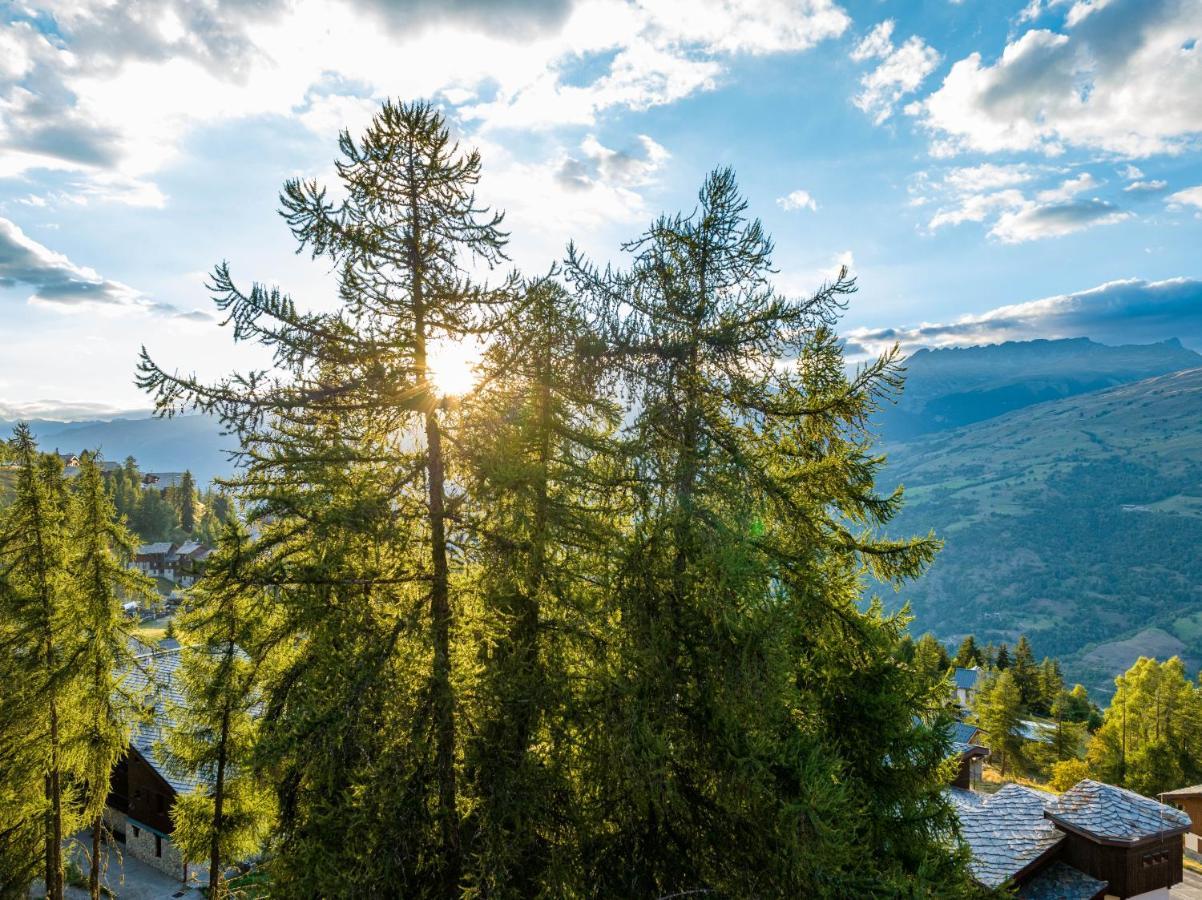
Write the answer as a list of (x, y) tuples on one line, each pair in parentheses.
[(140, 844)]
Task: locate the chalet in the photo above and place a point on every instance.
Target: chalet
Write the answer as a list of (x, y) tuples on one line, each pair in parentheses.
[(1094, 842), (143, 789), (156, 560), (966, 683), (1189, 801), (971, 752), (162, 480)]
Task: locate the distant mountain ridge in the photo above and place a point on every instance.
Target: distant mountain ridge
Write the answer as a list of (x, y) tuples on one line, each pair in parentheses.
[(194, 443), (950, 388)]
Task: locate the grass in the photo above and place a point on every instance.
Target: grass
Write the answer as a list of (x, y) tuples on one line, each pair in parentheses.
[(153, 631)]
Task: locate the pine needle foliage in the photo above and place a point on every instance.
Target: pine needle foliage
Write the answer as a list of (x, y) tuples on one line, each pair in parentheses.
[(598, 629), (100, 580), (36, 758)]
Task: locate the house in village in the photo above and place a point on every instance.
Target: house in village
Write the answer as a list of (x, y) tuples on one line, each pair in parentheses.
[(180, 563), (1189, 801), (142, 789), (156, 560), (1093, 842), (966, 683), (162, 480)]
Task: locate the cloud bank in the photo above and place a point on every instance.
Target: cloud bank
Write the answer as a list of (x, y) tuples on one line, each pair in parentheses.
[(1118, 312), (58, 282)]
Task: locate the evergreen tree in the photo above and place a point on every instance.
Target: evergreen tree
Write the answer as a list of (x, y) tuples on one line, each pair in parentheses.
[(968, 655), (38, 652), (228, 816), (353, 413), (1151, 737), (1026, 673), (1051, 689), (187, 503), (999, 714), (736, 595), (545, 505), (100, 580), (1002, 660), (931, 658)]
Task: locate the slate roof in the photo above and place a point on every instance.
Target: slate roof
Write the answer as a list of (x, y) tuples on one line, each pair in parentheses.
[(1191, 791), (963, 799), (156, 676), (1006, 832), (151, 549), (1060, 881), (1112, 813), (967, 678), (963, 732)]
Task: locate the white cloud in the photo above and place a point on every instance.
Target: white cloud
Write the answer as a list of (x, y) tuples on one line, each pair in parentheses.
[(1122, 78), (798, 199), (58, 282), (1068, 189), (877, 44), (1126, 311), (987, 176), (1150, 186), (1191, 196), (1033, 221), (901, 70), (125, 85)]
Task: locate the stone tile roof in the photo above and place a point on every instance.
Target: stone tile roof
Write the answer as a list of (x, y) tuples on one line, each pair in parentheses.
[(1113, 813), (155, 676), (1060, 881), (159, 548), (963, 732), (1006, 832), (1194, 790), (963, 799), (967, 678)]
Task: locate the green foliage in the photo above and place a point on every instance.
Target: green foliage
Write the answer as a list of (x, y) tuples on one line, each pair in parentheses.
[(968, 655), (1151, 737), (595, 631), (999, 713), (1067, 773), (211, 742), (931, 658), (38, 753)]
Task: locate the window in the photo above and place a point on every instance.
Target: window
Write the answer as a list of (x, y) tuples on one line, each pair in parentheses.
[(158, 846), (137, 831)]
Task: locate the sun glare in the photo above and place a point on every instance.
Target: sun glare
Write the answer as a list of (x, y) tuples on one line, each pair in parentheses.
[(453, 366)]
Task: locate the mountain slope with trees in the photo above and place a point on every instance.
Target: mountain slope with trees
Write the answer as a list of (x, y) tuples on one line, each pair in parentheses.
[(1078, 522)]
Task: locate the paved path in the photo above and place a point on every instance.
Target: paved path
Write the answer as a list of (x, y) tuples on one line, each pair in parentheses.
[(1190, 889), (126, 877)]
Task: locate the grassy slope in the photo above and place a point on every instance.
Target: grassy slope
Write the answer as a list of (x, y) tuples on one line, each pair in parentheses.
[(1078, 521)]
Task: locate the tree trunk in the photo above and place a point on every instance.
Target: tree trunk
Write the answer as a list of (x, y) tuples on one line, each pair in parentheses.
[(216, 891), (440, 595), (54, 816), (94, 876)]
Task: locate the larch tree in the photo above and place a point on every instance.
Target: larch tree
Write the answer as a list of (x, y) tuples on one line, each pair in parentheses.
[(347, 470), (99, 581), (999, 712), (729, 729), (38, 650), (543, 513), (210, 742)]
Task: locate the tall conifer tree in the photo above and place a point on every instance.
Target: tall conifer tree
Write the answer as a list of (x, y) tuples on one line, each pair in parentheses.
[(38, 650), (723, 742), (100, 580)]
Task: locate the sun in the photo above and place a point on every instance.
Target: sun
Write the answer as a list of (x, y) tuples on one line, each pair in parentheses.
[(453, 366)]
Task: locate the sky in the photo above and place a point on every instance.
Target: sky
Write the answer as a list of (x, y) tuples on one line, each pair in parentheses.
[(989, 170)]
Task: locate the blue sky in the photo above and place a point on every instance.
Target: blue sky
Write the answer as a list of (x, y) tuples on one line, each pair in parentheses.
[(989, 170)]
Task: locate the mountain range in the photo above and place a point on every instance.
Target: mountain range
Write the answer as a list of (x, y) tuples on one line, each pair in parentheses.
[(1076, 520)]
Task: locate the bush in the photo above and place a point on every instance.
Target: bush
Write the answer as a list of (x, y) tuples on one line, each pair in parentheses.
[(1067, 773)]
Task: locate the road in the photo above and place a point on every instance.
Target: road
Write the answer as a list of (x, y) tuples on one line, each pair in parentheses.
[(1190, 889)]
